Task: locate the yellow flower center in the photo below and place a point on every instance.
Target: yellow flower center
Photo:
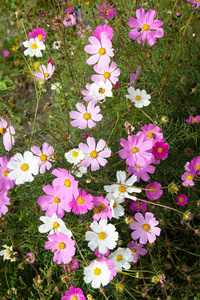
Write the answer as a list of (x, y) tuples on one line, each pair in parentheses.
[(74, 153), (61, 245), (134, 150), (94, 154), (2, 130), (86, 116), (122, 189), (102, 206), (40, 37), (101, 91), (46, 75), (118, 257), (80, 200), (5, 173), (151, 189), (195, 119), (114, 205), (145, 27), (197, 0), (55, 225), (34, 46), (138, 98), (107, 11), (106, 75), (24, 167), (134, 250), (74, 297), (150, 134), (160, 150), (102, 51), (180, 199), (146, 227), (84, 31), (102, 235), (56, 200), (189, 177), (43, 157), (137, 166), (197, 167), (7, 250), (67, 183), (138, 204), (97, 271)]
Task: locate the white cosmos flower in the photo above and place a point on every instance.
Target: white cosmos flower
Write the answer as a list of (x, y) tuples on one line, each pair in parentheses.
[(97, 273), (121, 258), (56, 45), (34, 47), (103, 236), (140, 98), (54, 225), (6, 252), (123, 188), (56, 86), (74, 156), (116, 208), (79, 170), (100, 90), (23, 167)]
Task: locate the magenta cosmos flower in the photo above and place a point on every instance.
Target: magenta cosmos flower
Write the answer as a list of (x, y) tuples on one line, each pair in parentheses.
[(52, 203), (160, 150), (7, 132), (194, 166), (142, 171), (103, 28), (5, 53), (45, 73), (72, 266), (107, 11), (195, 2), (181, 199), (136, 206), (5, 182), (187, 179), (193, 120), (96, 154), (73, 294), (108, 73), (145, 27), (145, 228), (153, 190), (136, 149), (44, 156), (39, 33), (137, 250), (86, 116), (101, 51), (82, 203), (62, 246), (4, 200)]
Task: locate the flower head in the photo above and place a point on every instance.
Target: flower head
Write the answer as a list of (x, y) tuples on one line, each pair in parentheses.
[(153, 190), (187, 179), (5, 182), (73, 294), (140, 98), (44, 156), (137, 250), (72, 266), (136, 206), (160, 150), (195, 2), (6, 252), (108, 73), (83, 31), (103, 28), (53, 225), (98, 273), (30, 257), (102, 209), (34, 47), (5, 53), (100, 90), (193, 120), (4, 200), (107, 11), (122, 258), (82, 203), (7, 132), (45, 73), (38, 33), (181, 199), (134, 76)]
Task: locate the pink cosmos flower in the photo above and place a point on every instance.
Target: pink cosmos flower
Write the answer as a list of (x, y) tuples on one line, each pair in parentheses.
[(5, 182), (52, 203), (44, 156), (66, 184), (5, 53), (160, 150), (69, 20), (56, 22), (152, 132), (101, 51), (137, 250), (187, 179), (31, 257), (194, 166), (136, 149), (107, 73), (82, 203), (110, 264), (107, 11), (134, 76), (8, 132), (197, 2), (96, 154), (142, 171), (82, 31), (193, 120), (39, 33), (103, 28), (86, 116), (88, 94), (102, 209), (62, 246), (181, 199), (145, 27), (153, 190), (145, 228), (72, 266), (137, 205), (73, 294), (45, 73), (4, 200)]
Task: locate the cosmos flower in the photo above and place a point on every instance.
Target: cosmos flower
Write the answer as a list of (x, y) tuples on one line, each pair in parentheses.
[(103, 28), (194, 2), (108, 73), (153, 190), (73, 294), (137, 250), (122, 258), (107, 11), (181, 199), (7, 132), (140, 98), (193, 120), (97, 273), (34, 47), (187, 179), (44, 156), (38, 33), (45, 73)]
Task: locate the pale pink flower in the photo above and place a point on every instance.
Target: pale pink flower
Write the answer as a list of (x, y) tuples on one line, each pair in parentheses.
[(142, 171), (107, 11), (194, 166), (82, 203), (102, 208), (148, 27), (107, 73), (45, 73), (62, 246), (137, 250), (39, 33), (145, 228), (187, 179), (83, 31), (44, 156), (96, 154), (152, 132), (31, 257), (56, 22), (195, 2), (181, 199), (88, 94), (134, 76), (103, 28), (101, 51), (153, 190), (7, 132), (193, 120), (86, 116), (73, 294), (5, 182), (4, 200), (69, 20)]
